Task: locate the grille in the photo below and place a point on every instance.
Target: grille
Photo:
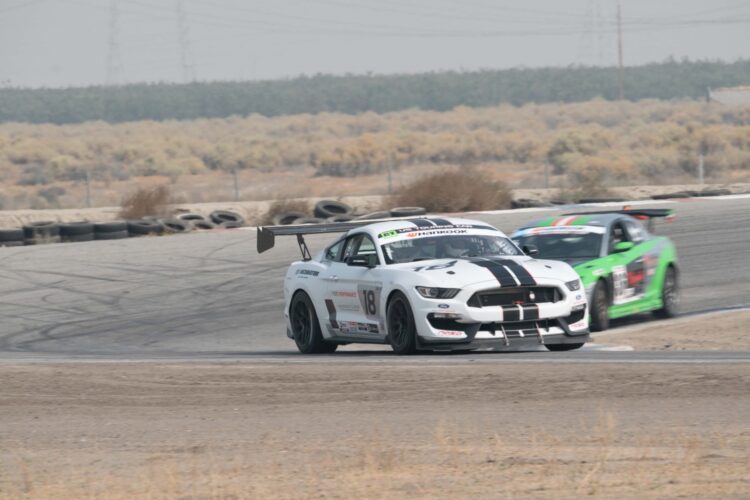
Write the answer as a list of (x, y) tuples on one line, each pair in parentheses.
[(515, 295)]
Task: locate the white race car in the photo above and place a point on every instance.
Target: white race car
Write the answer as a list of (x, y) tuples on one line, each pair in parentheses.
[(427, 284)]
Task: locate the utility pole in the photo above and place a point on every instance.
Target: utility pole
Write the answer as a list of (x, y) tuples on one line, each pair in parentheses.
[(186, 55), (700, 168), (114, 62), (546, 175), (236, 185), (88, 189), (621, 91)]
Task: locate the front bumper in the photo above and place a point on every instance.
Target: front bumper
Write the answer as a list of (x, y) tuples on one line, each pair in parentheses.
[(453, 324)]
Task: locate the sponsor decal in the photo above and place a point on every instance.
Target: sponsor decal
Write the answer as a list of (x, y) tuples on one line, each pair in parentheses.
[(354, 327), (411, 235), (344, 293), (436, 267), (576, 326), (388, 234), (369, 300), (306, 272), (444, 306), (449, 333), (578, 297)]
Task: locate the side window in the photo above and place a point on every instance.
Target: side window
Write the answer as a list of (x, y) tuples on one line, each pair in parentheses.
[(366, 246), (617, 235), (334, 251), (351, 246), (636, 233)]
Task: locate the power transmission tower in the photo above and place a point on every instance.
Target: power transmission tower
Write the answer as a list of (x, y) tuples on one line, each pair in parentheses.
[(621, 90), (114, 61), (592, 38), (186, 55)]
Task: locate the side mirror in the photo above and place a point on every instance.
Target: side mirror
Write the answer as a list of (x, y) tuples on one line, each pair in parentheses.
[(530, 250), (368, 261), (623, 246)]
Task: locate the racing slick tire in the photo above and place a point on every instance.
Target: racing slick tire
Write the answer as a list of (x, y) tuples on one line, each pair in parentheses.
[(600, 307), (306, 327), (563, 347), (402, 331), (669, 295)]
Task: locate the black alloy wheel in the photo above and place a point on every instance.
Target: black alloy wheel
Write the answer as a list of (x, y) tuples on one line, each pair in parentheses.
[(306, 328), (401, 328)]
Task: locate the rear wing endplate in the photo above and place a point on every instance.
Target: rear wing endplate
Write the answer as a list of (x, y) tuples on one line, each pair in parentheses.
[(644, 214)]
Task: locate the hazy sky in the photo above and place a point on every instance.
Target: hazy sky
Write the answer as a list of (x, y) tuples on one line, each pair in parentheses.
[(69, 42)]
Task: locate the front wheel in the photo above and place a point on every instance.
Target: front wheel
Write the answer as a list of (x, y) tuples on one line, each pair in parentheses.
[(563, 347), (670, 295), (306, 327), (600, 307), (402, 331)]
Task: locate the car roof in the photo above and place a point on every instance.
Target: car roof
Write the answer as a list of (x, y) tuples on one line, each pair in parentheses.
[(424, 224), (597, 220)]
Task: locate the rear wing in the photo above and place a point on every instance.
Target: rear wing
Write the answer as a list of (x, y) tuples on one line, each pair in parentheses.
[(643, 214), (267, 234)]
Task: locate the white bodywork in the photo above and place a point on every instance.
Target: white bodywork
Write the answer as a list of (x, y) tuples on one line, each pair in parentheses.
[(351, 301)]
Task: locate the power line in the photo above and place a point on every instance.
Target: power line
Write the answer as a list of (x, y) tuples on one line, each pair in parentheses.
[(186, 54), (114, 60)]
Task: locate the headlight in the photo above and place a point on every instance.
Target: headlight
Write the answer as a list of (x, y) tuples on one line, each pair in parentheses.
[(437, 293), (573, 285)]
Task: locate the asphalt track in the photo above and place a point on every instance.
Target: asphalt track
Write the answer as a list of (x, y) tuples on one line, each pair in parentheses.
[(210, 297)]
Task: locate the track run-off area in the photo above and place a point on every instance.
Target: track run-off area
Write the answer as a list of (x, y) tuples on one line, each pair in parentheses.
[(211, 297)]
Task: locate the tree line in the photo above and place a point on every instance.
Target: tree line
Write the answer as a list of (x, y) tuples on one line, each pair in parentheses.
[(350, 94)]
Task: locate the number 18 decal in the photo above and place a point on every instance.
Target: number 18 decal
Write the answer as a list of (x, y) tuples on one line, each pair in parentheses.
[(369, 299)]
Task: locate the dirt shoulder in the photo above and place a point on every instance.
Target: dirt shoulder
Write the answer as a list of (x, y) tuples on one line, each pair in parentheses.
[(726, 331), (379, 430)]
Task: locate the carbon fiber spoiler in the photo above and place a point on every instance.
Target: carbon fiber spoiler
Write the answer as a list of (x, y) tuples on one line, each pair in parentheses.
[(267, 234)]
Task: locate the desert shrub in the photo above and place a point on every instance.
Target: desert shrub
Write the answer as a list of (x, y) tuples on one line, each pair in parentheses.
[(456, 191), (285, 205), (52, 194), (146, 201)]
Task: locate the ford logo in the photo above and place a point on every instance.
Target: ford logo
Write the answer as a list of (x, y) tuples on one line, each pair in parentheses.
[(443, 306)]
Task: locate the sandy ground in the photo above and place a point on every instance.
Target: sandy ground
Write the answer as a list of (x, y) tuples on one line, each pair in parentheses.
[(727, 331), (253, 210)]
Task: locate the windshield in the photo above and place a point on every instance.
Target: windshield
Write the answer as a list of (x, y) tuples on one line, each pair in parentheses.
[(446, 247), (564, 246)]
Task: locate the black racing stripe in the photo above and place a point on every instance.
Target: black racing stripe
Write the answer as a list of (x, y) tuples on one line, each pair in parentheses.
[(421, 222), (511, 313), (501, 273), (332, 313), (441, 222), (521, 273), (530, 312)]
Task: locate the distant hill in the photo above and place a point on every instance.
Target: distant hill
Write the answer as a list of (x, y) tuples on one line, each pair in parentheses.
[(354, 94)]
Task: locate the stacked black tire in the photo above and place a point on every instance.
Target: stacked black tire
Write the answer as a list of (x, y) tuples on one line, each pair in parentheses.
[(72, 232), (11, 237), (40, 233), (116, 230)]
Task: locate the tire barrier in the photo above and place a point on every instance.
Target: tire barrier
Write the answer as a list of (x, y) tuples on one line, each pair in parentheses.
[(286, 218), (309, 220), (191, 217), (203, 225), (331, 208), (373, 216), (116, 230), (144, 227), (227, 224), (339, 218), (528, 203), (38, 233), (72, 232), (601, 200), (669, 196), (220, 216), (11, 237), (173, 225), (407, 211)]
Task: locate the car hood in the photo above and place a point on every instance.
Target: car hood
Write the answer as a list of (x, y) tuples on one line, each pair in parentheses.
[(456, 273)]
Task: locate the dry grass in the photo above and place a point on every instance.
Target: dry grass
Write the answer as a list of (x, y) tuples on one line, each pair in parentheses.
[(455, 463), (146, 201), (285, 205), (455, 191)]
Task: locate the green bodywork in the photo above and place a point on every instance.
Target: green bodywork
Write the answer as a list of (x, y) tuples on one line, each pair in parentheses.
[(658, 248), (634, 277)]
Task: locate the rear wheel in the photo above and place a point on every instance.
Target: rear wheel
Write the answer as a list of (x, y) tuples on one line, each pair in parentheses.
[(670, 295), (563, 347), (306, 328), (600, 307), (402, 331)]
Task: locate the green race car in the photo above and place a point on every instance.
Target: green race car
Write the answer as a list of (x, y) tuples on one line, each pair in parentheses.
[(624, 268)]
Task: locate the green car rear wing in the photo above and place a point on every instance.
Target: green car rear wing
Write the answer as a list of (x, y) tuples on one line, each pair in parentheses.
[(644, 214)]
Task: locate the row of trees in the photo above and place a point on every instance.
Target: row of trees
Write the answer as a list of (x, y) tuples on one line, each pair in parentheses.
[(351, 94)]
